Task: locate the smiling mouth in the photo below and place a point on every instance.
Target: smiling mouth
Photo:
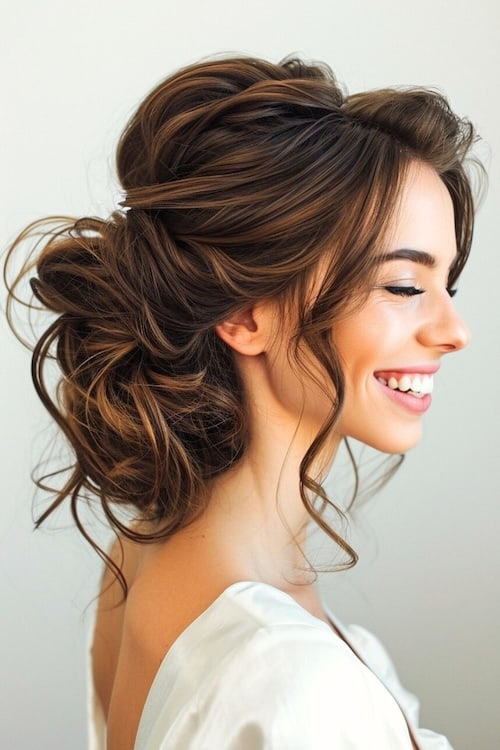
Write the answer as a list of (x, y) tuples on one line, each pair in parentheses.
[(414, 384)]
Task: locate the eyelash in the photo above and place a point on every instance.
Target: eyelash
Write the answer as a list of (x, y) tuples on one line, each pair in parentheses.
[(411, 291), (404, 291)]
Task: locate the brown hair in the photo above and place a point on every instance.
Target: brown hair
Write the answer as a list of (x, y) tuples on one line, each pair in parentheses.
[(240, 176)]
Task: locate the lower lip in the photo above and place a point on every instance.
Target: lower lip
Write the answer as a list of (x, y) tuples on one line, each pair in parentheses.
[(410, 403)]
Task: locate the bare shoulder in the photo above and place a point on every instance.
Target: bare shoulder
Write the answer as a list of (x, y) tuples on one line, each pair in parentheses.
[(110, 617), (169, 588), (173, 584), (126, 651)]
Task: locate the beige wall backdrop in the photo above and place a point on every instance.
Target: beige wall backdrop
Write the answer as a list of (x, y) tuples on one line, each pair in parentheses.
[(428, 579)]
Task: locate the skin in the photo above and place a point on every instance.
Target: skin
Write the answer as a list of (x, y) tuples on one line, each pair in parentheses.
[(393, 332), (389, 332), (241, 535)]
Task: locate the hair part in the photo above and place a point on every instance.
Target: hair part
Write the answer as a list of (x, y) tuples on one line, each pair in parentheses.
[(241, 177)]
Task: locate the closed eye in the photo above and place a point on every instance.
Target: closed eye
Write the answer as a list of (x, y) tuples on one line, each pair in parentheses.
[(404, 291), (411, 291)]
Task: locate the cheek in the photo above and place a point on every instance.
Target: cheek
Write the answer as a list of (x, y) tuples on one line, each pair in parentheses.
[(370, 340), (357, 343), (366, 343)]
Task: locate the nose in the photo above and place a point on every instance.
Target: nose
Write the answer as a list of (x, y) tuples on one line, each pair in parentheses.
[(445, 329)]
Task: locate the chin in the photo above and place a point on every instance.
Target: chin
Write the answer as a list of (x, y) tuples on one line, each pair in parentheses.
[(396, 442), (392, 436)]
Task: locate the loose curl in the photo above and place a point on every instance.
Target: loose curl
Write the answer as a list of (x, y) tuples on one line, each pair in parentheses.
[(240, 177)]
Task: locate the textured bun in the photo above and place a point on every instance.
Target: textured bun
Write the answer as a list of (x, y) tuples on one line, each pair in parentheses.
[(240, 178)]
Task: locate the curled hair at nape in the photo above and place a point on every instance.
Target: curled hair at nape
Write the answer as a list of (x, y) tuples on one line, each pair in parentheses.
[(240, 178)]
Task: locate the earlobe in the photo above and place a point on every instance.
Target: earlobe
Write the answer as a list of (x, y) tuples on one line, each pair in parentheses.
[(246, 331)]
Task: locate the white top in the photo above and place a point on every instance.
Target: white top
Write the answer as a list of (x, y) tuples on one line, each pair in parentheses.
[(256, 671)]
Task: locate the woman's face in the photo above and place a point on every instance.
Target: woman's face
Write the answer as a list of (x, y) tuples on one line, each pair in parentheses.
[(391, 348)]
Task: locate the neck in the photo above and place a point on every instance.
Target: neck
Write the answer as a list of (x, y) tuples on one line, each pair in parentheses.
[(255, 516)]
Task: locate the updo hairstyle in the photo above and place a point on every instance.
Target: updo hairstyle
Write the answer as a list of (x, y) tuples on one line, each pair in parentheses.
[(239, 177)]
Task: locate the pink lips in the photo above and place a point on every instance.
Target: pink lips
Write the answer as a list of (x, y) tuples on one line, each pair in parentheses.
[(406, 400), (409, 402), (428, 369)]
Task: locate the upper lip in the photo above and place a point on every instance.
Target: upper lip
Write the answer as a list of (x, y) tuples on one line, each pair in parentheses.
[(428, 369)]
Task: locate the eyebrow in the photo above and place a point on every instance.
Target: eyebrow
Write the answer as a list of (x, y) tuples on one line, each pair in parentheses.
[(416, 256)]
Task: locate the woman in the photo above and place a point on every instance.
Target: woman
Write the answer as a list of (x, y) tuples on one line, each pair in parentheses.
[(280, 279)]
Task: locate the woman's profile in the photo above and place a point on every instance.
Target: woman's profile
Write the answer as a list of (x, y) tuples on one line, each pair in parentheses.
[(279, 278)]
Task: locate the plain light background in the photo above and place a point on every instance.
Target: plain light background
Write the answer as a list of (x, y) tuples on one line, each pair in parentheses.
[(428, 579)]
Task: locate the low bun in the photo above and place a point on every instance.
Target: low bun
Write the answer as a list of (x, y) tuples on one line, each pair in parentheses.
[(240, 178), (141, 400)]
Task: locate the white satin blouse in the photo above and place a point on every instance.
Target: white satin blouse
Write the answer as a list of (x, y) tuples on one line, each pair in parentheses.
[(256, 671)]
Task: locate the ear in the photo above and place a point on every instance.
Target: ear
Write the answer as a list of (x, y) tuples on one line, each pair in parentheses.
[(247, 331)]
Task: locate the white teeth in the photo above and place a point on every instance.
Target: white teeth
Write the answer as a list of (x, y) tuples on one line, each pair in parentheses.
[(419, 385), (404, 383), (416, 384), (427, 384)]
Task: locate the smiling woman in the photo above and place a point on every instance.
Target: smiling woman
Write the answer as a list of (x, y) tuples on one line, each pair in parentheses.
[(392, 347), (280, 278)]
